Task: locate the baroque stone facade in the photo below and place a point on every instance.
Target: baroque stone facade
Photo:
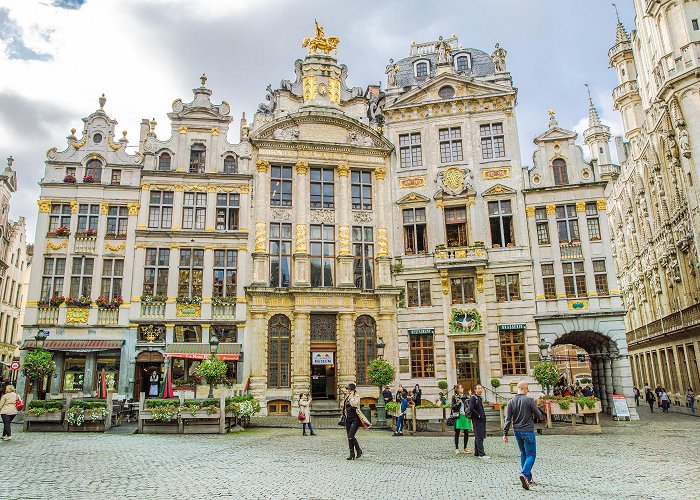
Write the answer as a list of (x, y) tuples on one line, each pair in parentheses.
[(653, 205)]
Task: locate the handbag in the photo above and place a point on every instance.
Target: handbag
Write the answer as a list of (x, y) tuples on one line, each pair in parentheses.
[(19, 404), (301, 416), (342, 422), (450, 421)]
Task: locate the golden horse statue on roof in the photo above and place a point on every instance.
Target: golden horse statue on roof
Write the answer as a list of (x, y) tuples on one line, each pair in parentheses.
[(321, 42)]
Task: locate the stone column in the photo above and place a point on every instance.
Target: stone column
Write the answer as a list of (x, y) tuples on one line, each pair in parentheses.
[(55, 382), (256, 354), (210, 219), (346, 349), (301, 364), (207, 282), (262, 197), (178, 200), (382, 248), (301, 274), (142, 217), (607, 369), (344, 277)]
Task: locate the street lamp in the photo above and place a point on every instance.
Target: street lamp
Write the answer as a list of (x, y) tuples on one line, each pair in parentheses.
[(41, 338), (213, 347), (544, 348), (381, 411)]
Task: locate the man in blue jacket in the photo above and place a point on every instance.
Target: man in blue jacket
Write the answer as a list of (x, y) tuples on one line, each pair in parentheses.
[(520, 413), (402, 414)]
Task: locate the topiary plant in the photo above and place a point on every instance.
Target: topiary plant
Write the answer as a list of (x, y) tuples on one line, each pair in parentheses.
[(495, 383), (213, 369), (38, 364), (546, 373), (380, 372), (442, 385)]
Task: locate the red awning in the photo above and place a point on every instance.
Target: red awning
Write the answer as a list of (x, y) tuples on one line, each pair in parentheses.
[(76, 345), (191, 350)]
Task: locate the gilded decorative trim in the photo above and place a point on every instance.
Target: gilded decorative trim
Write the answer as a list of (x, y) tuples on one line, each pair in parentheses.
[(380, 173), (50, 245), (44, 206), (115, 147), (183, 129), (539, 296), (602, 204), (580, 206), (77, 314), (260, 237), (300, 239), (188, 310), (308, 84), (343, 240), (115, 248), (133, 208), (74, 207), (78, 145), (334, 90), (493, 174), (215, 131), (241, 300), (530, 211), (104, 208), (262, 165), (382, 242), (343, 169), (551, 209), (302, 167), (412, 182)]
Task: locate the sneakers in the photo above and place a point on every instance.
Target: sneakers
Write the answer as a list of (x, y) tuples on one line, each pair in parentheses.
[(6, 438), (484, 457), (524, 482), (456, 451), (467, 451)]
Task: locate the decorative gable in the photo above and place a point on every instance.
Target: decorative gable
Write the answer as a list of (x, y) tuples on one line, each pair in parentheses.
[(555, 134), (498, 190), (413, 199), (464, 88)]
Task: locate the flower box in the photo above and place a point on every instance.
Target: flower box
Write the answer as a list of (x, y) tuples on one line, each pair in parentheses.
[(69, 178), (199, 414), (88, 179), (585, 410), (61, 232), (555, 409), (429, 413)]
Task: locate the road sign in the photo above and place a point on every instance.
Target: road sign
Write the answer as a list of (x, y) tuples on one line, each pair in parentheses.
[(14, 365)]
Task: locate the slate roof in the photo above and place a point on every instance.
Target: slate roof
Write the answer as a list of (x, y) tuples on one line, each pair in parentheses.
[(482, 65)]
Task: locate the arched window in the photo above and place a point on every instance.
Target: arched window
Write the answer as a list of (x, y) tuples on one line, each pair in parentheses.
[(94, 170), (561, 177), (230, 165), (278, 355), (198, 154), (365, 346), (422, 70), (462, 62), (164, 161)]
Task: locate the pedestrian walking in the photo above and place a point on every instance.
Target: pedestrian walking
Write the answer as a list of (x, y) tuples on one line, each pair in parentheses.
[(665, 401), (650, 399), (478, 420), (635, 391), (417, 394), (8, 410), (658, 392), (351, 416), (305, 413), (402, 414), (460, 405), (690, 397), (520, 413)]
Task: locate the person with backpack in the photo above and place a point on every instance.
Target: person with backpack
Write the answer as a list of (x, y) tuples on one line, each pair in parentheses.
[(477, 415), (402, 414), (10, 404), (460, 407), (665, 401)]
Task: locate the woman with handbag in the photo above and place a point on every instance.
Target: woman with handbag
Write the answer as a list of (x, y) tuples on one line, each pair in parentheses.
[(305, 413), (10, 404), (351, 419), (462, 423)]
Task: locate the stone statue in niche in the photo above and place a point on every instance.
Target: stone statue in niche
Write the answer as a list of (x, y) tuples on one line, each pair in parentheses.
[(269, 107), (499, 59), (390, 71), (442, 50), (684, 141)]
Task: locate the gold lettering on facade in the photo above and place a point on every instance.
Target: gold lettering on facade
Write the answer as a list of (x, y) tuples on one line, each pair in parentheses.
[(495, 173), (412, 182)]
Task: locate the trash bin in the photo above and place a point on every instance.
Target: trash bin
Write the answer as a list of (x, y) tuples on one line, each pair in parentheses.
[(367, 411)]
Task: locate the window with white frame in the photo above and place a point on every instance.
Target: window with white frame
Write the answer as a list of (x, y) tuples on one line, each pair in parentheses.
[(164, 161), (361, 189), (322, 242), (363, 253), (227, 207), (548, 281), (421, 69), (507, 287), (450, 144), (593, 221), (462, 290), (410, 152), (155, 276), (501, 223), (59, 216), (492, 140), (567, 223), (194, 210), (600, 275), (189, 280), (542, 223), (88, 217), (52, 278), (225, 273), (81, 277), (160, 209), (117, 222), (112, 275), (230, 165), (322, 192), (574, 279), (462, 62), (198, 155)]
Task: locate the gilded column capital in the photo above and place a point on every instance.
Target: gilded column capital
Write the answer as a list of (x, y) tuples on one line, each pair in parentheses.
[(580, 206), (260, 237), (551, 209), (602, 204), (343, 169), (262, 165), (302, 167), (300, 239), (380, 173), (344, 240), (74, 207), (44, 206), (133, 208), (530, 211), (104, 208), (382, 242)]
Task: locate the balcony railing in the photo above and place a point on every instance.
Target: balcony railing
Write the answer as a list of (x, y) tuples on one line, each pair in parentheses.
[(610, 170), (685, 318), (107, 316), (571, 250), (156, 310), (625, 89), (460, 256), (85, 244), (47, 316), (226, 311)]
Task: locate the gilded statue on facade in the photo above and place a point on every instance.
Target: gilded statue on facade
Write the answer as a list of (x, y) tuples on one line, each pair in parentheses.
[(321, 43)]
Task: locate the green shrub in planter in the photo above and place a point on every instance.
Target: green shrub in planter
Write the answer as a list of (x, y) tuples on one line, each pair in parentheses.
[(38, 408), (442, 385), (495, 383), (79, 408)]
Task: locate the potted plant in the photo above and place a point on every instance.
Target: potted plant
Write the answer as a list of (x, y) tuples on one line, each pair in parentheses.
[(160, 410), (380, 372), (81, 301), (87, 233), (38, 366), (495, 383), (88, 179), (61, 232), (546, 373), (106, 303), (189, 301), (69, 178), (80, 412), (153, 299), (54, 301), (213, 369), (223, 301)]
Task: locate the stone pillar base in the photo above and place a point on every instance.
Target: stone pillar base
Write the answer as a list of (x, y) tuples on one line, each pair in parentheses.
[(301, 269), (345, 277)]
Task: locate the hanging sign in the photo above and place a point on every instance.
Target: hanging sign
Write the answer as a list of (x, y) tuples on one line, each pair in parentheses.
[(514, 326), (620, 405), (322, 358), (421, 331)]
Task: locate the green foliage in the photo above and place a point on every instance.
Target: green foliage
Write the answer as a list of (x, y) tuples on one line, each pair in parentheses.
[(38, 408), (585, 381), (391, 406), (380, 372), (243, 406), (88, 405), (164, 413), (160, 403), (546, 373), (212, 369), (38, 364), (565, 403), (587, 401), (442, 385), (495, 383), (79, 409), (153, 299)]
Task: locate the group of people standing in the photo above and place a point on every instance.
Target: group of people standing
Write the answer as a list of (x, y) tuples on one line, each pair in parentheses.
[(660, 398)]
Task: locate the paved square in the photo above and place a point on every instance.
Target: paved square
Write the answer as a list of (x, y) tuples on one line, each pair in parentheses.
[(655, 458)]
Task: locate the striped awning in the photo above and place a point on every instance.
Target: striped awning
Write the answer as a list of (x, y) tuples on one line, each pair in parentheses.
[(76, 345), (191, 350)]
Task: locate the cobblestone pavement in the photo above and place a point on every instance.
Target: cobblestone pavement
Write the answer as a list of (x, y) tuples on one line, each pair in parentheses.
[(658, 457)]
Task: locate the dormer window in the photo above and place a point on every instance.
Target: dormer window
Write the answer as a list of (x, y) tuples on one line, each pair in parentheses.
[(230, 165), (164, 161), (421, 69), (93, 171), (462, 62), (198, 154), (561, 176)]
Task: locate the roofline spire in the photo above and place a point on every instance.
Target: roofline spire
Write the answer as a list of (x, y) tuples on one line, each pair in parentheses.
[(593, 118)]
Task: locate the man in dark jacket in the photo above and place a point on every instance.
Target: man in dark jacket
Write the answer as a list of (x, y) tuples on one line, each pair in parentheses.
[(520, 413), (478, 417), (387, 396), (417, 394)]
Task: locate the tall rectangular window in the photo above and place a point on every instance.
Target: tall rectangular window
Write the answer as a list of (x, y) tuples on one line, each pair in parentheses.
[(492, 141), (418, 293), (280, 186), (112, 275), (415, 237), (363, 253), (225, 273), (198, 155), (542, 224), (189, 280), (513, 352), (574, 279), (410, 153), (450, 144), (501, 223), (52, 278), (361, 189), (567, 223), (117, 222), (593, 221), (422, 356), (462, 290), (322, 242), (227, 206), (280, 254), (155, 275), (194, 210), (507, 287), (116, 177), (456, 226), (600, 274), (81, 277), (160, 209), (322, 194), (88, 216), (548, 281), (59, 216)]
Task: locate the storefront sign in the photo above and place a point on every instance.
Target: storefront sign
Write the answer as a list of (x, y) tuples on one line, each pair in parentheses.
[(421, 331), (512, 326), (620, 406), (14, 365), (322, 358)]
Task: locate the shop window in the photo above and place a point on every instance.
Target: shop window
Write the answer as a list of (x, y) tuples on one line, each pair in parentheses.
[(73, 373), (415, 236), (422, 356), (513, 353), (225, 333), (188, 333), (110, 364), (278, 351), (184, 372), (365, 346), (278, 407)]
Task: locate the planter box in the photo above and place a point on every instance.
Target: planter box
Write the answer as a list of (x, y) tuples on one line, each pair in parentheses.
[(558, 410), (584, 410), (150, 426), (429, 413), (199, 414), (89, 425), (51, 421)]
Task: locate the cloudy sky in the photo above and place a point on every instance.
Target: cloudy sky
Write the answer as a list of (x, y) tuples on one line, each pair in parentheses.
[(57, 57)]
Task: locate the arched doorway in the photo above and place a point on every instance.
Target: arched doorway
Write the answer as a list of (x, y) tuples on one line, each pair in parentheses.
[(148, 373)]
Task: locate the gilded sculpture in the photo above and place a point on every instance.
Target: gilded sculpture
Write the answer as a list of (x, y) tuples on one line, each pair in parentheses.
[(300, 240), (321, 43), (260, 230)]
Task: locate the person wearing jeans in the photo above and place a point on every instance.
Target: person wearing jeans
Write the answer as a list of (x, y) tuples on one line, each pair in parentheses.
[(520, 413), (402, 414)]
